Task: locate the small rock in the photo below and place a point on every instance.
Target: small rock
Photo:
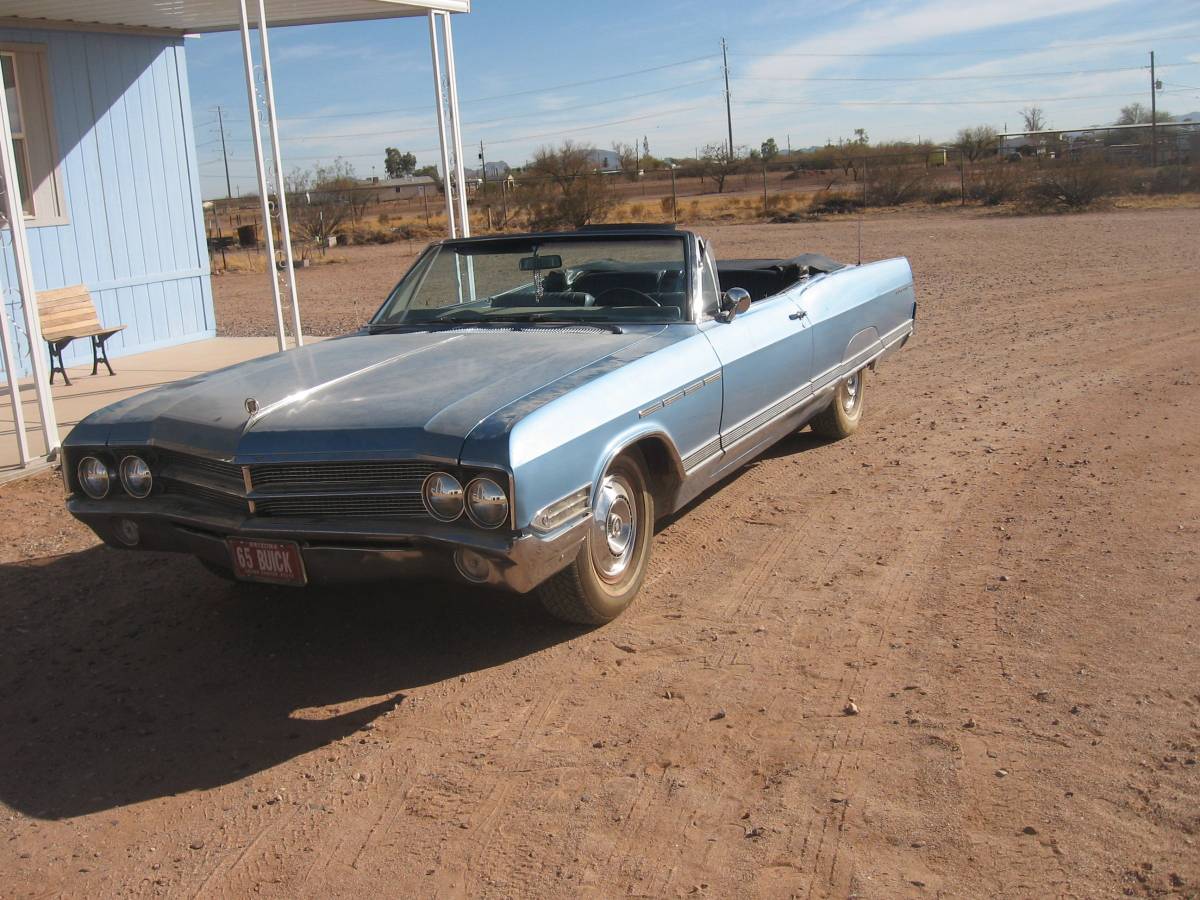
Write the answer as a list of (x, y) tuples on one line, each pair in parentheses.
[(1002, 773), (754, 832), (719, 714), (359, 776), (1042, 695), (1029, 829), (1004, 578), (970, 723), (197, 845), (917, 845), (850, 709), (626, 648)]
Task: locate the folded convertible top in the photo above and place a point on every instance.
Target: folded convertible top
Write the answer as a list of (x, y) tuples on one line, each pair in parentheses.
[(814, 262)]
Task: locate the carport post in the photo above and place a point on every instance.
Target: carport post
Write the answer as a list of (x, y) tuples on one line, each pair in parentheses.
[(15, 214), (261, 169), (447, 179), (452, 79), (280, 188), (14, 387)]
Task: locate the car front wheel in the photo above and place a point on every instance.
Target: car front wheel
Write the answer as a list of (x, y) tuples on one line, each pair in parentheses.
[(610, 567)]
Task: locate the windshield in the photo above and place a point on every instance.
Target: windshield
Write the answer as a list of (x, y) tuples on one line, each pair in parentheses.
[(627, 281)]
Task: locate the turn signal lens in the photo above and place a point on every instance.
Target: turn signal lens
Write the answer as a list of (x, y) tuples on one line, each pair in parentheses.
[(94, 477), (136, 477), (442, 495), (487, 504)]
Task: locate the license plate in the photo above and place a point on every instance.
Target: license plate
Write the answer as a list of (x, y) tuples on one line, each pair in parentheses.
[(275, 562)]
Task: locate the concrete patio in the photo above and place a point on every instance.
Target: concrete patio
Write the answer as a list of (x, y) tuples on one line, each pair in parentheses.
[(135, 373)]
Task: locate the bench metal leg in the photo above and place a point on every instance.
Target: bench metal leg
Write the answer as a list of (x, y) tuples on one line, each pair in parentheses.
[(99, 355), (56, 361)]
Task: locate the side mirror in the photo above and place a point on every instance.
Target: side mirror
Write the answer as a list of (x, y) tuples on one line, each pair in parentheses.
[(734, 301)]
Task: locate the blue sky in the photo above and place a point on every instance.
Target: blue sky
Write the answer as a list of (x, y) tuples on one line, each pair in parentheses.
[(535, 72)]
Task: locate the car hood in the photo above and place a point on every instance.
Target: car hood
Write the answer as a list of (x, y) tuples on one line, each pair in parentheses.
[(417, 393)]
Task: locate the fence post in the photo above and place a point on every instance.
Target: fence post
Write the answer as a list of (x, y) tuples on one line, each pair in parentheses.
[(674, 200), (962, 179), (764, 186)]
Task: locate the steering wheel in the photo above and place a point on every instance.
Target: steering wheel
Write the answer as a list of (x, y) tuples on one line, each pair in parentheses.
[(638, 297)]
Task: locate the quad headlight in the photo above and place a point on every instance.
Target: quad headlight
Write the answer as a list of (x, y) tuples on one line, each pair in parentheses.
[(442, 495), (94, 477), (487, 504), (136, 477)]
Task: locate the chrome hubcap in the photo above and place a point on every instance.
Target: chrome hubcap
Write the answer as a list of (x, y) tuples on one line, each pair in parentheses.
[(614, 528), (850, 392)]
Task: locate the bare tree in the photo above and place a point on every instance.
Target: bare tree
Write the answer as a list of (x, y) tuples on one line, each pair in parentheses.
[(1137, 114), (563, 187), (323, 199), (1034, 118), (717, 164), (627, 159), (976, 143)]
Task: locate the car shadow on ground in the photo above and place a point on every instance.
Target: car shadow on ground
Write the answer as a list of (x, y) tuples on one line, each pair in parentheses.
[(797, 442), (131, 676)]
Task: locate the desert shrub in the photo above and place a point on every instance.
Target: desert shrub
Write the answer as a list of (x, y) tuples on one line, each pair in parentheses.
[(564, 188), (942, 193), (892, 185), (835, 202), (1177, 179), (1070, 186), (998, 183), (637, 212), (694, 209), (665, 205), (384, 219)]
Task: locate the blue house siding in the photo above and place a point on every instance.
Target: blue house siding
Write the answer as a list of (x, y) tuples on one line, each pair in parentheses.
[(134, 232)]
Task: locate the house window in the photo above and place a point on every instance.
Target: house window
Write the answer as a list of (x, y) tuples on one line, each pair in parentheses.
[(35, 154)]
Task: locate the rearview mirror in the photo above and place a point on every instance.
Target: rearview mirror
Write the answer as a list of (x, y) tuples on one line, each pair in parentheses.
[(734, 302), (538, 263)]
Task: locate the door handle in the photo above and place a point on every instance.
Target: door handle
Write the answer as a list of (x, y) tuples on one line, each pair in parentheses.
[(799, 315)]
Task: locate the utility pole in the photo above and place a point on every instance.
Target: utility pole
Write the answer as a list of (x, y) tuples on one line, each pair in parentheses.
[(728, 112), (224, 154), (1153, 115), (482, 164)]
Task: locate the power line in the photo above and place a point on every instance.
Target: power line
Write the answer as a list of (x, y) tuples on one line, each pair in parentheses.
[(538, 90), (478, 125), (977, 51), (805, 103), (889, 79)]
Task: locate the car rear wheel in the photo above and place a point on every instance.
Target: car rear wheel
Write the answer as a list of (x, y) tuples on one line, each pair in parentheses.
[(840, 419), (610, 567)]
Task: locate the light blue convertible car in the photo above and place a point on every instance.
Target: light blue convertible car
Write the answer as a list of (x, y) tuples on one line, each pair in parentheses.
[(519, 413)]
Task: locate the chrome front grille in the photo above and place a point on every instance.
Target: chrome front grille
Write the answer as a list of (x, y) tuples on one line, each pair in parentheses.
[(304, 475), (398, 505), (387, 489), (186, 467)]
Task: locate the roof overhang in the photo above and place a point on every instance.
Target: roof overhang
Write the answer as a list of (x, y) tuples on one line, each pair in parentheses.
[(202, 16)]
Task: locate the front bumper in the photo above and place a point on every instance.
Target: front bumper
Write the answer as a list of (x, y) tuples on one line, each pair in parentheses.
[(336, 551)]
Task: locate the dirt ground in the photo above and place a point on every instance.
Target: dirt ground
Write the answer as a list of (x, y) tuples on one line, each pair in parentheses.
[(1001, 571)]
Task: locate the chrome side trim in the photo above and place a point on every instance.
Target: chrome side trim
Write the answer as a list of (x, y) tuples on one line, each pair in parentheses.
[(698, 457), (687, 391), (763, 417), (652, 408)]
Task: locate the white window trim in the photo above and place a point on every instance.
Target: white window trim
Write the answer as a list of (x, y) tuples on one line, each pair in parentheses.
[(40, 217)]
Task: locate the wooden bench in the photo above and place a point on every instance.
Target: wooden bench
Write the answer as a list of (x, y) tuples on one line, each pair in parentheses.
[(68, 314)]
